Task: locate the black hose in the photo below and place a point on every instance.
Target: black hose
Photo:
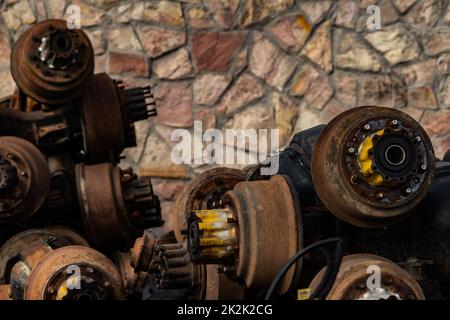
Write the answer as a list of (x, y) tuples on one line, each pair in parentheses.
[(328, 270), (297, 256), (330, 277)]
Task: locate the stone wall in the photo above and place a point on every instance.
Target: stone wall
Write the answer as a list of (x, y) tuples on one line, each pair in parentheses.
[(288, 64)]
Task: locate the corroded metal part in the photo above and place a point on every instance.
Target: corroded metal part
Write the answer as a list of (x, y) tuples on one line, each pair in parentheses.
[(372, 165), (142, 204), (75, 273), (204, 192), (44, 128), (170, 264), (358, 277), (114, 211), (20, 254), (202, 282), (269, 233), (72, 236), (51, 63), (62, 194), (142, 253), (104, 140), (102, 207), (24, 179), (216, 232), (175, 270), (105, 206), (133, 282), (220, 287)]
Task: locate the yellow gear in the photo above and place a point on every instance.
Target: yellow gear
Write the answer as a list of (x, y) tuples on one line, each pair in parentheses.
[(217, 232)]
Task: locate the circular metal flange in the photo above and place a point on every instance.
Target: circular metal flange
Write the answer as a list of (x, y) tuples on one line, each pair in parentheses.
[(103, 210), (12, 248), (269, 231), (51, 63), (253, 239), (102, 138), (204, 192), (95, 278), (24, 179), (372, 165), (370, 277)]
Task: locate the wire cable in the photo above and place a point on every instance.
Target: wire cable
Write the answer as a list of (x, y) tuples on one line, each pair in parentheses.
[(329, 277), (296, 257), (328, 270)]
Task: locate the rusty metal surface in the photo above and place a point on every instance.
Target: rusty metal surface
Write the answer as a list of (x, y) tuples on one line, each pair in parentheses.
[(378, 195), (24, 179), (105, 140), (204, 192), (12, 248), (99, 277), (62, 195), (102, 138), (133, 282), (142, 253), (268, 233), (213, 238), (72, 236), (220, 287), (20, 254), (51, 63), (351, 281), (113, 215), (103, 209), (44, 128), (233, 229)]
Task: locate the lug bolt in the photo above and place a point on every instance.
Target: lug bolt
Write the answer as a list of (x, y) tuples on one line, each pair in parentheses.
[(408, 191), (367, 127), (423, 167), (394, 122), (418, 139), (351, 150), (380, 195)]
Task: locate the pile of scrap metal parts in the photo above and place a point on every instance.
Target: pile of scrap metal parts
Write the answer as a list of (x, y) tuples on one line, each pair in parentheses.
[(63, 196), (357, 211)]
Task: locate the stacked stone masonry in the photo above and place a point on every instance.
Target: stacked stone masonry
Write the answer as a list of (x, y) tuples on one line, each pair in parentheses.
[(287, 64)]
